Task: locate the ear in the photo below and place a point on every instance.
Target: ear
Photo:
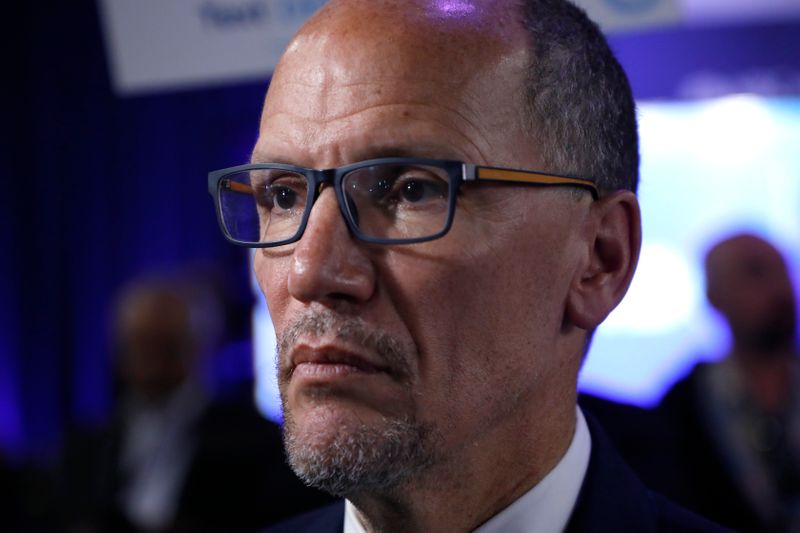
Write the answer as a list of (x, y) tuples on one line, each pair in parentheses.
[(614, 237)]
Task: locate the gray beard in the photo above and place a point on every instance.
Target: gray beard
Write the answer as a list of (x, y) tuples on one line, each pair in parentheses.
[(374, 459), (379, 457)]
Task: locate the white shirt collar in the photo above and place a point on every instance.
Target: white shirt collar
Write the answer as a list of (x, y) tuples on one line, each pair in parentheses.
[(546, 507)]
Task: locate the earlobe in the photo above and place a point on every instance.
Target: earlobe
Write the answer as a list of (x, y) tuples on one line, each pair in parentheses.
[(614, 238)]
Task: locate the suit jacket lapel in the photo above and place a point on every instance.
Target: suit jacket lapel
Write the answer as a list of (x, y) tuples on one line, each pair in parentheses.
[(612, 498)]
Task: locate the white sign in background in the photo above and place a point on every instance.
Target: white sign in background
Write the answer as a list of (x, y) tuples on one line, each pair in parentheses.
[(623, 15), (617, 15), (176, 44)]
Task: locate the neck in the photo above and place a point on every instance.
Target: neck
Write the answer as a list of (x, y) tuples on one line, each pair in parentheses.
[(478, 480), (767, 377), (748, 356)]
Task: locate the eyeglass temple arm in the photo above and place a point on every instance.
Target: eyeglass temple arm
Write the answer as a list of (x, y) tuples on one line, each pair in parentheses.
[(235, 186), (496, 174)]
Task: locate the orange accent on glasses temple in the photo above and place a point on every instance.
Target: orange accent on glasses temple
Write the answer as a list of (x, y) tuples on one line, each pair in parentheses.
[(530, 177), (235, 186)]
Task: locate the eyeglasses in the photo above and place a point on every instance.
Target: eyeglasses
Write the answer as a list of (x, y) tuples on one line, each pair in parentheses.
[(384, 201)]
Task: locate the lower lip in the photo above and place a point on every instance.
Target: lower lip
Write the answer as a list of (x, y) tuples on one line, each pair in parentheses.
[(324, 371)]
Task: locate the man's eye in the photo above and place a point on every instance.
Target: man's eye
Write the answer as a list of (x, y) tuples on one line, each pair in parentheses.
[(284, 197), (397, 187), (416, 190), (286, 193)]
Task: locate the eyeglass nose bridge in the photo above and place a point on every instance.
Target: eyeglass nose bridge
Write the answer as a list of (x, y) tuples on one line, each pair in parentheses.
[(333, 177)]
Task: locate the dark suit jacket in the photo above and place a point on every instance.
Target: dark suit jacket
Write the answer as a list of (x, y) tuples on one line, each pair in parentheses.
[(611, 500), (237, 481), (700, 478)]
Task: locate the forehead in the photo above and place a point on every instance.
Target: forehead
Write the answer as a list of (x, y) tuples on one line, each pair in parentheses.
[(743, 255), (391, 67)]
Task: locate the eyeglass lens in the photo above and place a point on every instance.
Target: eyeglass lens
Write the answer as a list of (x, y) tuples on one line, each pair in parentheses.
[(385, 201)]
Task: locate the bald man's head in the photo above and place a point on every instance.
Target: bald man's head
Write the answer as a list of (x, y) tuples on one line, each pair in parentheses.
[(748, 282), (554, 80), (402, 362), (155, 339)]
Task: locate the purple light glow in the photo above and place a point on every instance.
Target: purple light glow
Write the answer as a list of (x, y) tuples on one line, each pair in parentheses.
[(455, 8)]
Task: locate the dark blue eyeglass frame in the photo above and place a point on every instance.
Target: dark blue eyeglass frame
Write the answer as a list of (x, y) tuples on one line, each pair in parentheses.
[(457, 171)]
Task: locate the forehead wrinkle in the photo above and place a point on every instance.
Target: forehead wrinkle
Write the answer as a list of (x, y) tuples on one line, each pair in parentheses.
[(323, 106), (341, 94), (464, 138), (334, 130), (377, 81), (345, 116)]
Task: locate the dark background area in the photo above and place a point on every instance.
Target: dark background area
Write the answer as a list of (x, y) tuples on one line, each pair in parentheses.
[(98, 189)]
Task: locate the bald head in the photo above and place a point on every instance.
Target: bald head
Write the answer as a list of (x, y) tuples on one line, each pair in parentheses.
[(535, 76), (748, 282), (155, 339), (468, 23), (358, 61)]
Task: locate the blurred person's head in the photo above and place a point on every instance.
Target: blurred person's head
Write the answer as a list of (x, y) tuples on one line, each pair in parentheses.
[(747, 281), (156, 341)]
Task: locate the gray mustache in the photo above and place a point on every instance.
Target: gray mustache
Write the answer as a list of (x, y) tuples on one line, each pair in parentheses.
[(390, 351)]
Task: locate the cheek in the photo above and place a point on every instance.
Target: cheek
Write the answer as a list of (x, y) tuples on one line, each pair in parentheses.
[(271, 274), (481, 325)]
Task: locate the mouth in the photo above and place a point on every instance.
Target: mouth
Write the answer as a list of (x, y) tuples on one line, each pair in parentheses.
[(325, 363), (338, 376)]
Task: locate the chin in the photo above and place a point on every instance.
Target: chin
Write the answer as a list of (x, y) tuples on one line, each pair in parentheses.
[(318, 424), (338, 450)]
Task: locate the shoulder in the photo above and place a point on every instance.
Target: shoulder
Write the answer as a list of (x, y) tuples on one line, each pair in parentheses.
[(613, 498), (672, 518), (682, 395), (328, 519)]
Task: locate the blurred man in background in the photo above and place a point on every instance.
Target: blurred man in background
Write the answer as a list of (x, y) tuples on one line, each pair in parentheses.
[(736, 422), (173, 459)]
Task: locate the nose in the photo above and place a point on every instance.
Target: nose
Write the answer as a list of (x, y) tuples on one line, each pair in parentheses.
[(328, 264)]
